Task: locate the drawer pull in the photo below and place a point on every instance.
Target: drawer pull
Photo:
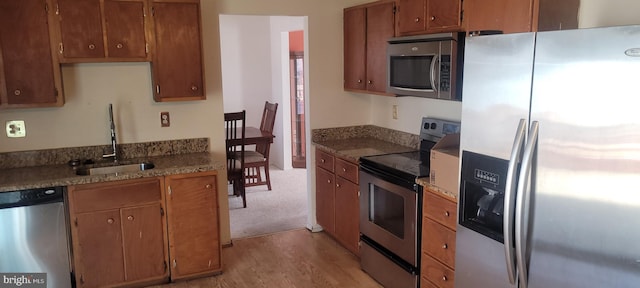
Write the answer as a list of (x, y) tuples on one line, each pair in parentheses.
[(130, 218), (344, 169), (417, 19), (110, 220), (359, 80), (119, 46), (446, 213), (444, 278), (208, 186), (445, 246), (194, 88), (92, 46), (322, 161), (329, 181), (337, 185), (433, 18), (17, 92)]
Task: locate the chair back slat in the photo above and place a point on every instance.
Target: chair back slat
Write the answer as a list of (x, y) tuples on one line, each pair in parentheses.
[(266, 125)]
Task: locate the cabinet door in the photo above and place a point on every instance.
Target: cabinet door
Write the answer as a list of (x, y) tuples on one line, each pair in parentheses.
[(81, 28), (380, 27), (125, 23), (411, 15), (143, 242), (177, 64), (28, 75), (354, 48), (325, 200), (347, 214), (194, 234), (509, 16), (98, 254), (443, 15)]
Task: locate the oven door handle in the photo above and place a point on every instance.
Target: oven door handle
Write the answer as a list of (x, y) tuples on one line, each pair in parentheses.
[(509, 200)]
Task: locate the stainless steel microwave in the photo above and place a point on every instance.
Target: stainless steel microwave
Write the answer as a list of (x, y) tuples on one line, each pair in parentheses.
[(425, 66)]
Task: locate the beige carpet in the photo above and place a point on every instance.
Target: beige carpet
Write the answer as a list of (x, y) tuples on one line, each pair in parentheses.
[(281, 209)]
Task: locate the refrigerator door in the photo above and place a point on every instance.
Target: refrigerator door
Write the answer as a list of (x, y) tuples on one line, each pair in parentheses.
[(585, 202), (496, 97)]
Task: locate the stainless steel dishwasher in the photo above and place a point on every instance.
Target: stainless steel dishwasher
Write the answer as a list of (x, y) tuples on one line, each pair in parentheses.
[(33, 234)]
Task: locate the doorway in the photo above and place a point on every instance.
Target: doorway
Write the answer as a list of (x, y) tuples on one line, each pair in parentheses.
[(296, 74)]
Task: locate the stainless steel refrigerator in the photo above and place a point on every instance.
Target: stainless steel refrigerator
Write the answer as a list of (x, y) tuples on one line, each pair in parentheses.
[(550, 164)]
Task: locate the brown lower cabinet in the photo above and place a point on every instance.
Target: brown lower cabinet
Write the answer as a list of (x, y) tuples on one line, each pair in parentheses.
[(122, 234), (438, 240), (337, 199)]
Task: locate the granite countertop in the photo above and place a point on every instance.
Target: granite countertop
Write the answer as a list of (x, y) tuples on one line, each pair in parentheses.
[(426, 184), (354, 148), (49, 167)]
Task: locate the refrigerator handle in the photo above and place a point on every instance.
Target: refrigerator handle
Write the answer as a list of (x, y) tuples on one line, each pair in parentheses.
[(522, 205), (509, 200)]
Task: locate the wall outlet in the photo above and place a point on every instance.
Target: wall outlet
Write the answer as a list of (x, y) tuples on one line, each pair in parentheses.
[(165, 121), (16, 128), (394, 112)]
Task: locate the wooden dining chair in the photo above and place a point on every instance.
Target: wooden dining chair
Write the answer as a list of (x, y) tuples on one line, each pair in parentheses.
[(258, 160), (234, 124)]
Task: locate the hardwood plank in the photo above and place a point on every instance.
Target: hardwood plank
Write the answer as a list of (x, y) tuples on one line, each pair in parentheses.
[(296, 258)]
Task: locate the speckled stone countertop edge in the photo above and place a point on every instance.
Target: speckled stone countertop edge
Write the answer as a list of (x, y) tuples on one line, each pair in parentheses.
[(62, 175), (425, 182)]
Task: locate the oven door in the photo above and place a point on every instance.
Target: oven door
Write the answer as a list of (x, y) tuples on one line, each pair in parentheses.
[(389, 216)]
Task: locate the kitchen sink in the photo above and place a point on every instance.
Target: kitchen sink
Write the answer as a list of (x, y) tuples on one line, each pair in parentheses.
[(114, 168)]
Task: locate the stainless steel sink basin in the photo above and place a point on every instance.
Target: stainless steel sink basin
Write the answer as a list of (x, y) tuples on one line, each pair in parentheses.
[(115, 168)]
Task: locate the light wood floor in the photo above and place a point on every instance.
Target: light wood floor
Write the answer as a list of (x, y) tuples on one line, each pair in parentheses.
[(296, 258)]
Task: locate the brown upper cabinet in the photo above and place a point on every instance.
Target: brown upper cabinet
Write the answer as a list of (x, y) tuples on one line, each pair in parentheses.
[(29, 70), (513, 16), (177, 67), (366, 31), (102, 30), (429, 16)]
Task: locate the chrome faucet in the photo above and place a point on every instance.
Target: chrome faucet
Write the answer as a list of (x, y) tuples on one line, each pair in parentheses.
[(114, 151)]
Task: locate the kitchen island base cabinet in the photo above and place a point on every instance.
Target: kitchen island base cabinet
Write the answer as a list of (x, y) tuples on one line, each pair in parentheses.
[(193, 224), (118, 233)]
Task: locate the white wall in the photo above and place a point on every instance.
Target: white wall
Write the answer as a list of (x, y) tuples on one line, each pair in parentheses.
[(410, 112)]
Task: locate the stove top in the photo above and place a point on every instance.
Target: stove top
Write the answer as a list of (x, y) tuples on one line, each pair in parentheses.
[(411, 163)]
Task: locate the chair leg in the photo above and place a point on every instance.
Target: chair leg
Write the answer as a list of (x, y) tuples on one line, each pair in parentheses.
[(266, 174), (244, 196)]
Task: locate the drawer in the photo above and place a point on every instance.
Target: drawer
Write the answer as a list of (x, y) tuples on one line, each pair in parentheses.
[(439, 209), (114, 195), (436, 273), (324, 160), (347, 170), (439, 242)]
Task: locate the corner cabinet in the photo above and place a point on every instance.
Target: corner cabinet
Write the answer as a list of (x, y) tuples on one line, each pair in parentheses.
[(429, 16), (118, 233), (177, 66), (29, 70), (102, 30), (337, 199), (438, 240), (366, 31), (193, 224)]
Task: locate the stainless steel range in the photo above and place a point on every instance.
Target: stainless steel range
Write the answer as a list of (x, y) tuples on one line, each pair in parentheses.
[(390, 208)]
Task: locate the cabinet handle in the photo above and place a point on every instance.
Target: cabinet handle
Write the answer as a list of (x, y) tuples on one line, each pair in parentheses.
[(417, 19), (359, 80), (322, 161), (445, 246), (110, 220), (92, 46), (433, 18), (369, 82), (175, 263), (329, 181), (17, 92), (344, 169), (119, 46), (444, 278), (194, 88), (446, 214), (208, 186), (60, 48), (130, 217), (337, 185)]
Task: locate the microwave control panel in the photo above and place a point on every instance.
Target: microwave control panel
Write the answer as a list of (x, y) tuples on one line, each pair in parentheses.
[(445, 72)]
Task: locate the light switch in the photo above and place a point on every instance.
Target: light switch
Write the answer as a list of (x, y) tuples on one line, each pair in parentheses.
[(16, 128)]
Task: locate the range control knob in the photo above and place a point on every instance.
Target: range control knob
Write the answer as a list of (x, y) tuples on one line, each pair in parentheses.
[(433, 125)]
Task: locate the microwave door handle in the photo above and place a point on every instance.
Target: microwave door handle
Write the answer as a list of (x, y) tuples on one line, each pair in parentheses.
[(509, 200), (523, 198), (434, 66)]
